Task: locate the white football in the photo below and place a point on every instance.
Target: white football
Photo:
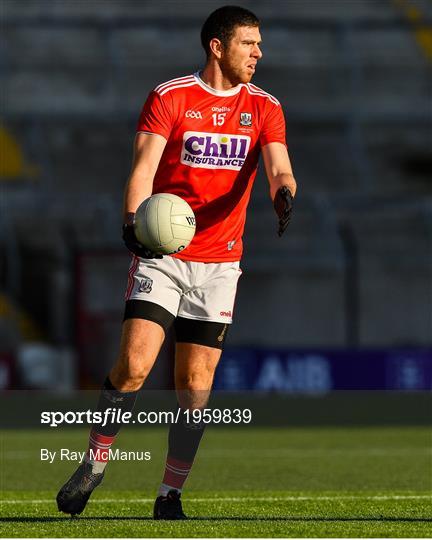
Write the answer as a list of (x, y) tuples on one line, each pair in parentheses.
[(165, 223)]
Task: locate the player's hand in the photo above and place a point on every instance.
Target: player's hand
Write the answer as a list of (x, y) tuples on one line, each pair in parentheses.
[(283, 204), (135, 246)]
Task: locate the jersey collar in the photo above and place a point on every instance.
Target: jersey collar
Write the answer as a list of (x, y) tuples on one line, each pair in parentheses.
[(221, 93)]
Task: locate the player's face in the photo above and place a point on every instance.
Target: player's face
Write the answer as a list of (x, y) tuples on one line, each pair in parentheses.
[(239, 60)]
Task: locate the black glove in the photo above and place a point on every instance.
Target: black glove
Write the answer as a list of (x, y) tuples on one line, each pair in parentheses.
[(135, 246), (283, 204)]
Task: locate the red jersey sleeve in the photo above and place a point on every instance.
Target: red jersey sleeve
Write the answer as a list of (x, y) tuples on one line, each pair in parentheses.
[(273, 129), (156, 115)]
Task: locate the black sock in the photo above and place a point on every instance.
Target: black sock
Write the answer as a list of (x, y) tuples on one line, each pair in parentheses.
[(111, 398), (184, 438)]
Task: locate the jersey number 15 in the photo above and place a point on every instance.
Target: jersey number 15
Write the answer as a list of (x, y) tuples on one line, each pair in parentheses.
[(218, 119)]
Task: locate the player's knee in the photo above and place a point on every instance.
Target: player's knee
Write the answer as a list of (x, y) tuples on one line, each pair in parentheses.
[(184, 380), (195, 381), (129, 374), (128, 381)]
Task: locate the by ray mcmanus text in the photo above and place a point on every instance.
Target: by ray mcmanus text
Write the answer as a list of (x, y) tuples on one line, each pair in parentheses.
[(65, 454)]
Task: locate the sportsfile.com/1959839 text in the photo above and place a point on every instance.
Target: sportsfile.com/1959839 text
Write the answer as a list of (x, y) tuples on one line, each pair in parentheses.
[(115, 415)]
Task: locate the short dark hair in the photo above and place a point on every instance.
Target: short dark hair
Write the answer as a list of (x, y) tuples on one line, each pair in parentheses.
[(221, 24)]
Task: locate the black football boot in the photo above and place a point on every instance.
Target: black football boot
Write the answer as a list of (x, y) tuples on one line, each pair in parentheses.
[(73, 496), (169, 506)]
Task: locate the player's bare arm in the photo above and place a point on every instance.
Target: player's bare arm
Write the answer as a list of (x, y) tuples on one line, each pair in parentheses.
[(283, 186), (148, 150), (278, 168)]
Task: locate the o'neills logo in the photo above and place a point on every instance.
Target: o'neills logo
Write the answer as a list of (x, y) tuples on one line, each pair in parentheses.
[(214, 150)]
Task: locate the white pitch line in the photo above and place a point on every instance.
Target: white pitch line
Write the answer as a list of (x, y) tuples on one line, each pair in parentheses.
[(237, 499)]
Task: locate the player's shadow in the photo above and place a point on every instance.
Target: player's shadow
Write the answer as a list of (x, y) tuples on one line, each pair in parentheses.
[(49, 519)]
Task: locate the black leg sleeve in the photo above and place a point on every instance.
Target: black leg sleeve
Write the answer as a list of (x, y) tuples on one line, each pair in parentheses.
[(111, 398), (184, 438)]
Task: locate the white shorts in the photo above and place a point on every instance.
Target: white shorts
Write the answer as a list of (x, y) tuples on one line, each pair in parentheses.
[(193, 290)]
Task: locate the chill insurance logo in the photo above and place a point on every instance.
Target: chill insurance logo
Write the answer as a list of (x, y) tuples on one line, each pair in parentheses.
[(214, 150)]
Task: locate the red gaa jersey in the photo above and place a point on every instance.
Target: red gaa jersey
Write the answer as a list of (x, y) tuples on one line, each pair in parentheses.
[(213, 144)]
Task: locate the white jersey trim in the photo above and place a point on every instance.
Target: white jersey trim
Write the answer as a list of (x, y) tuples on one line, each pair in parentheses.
[(174, 86), (256, 91), (220, 93), (191, 80), (178, 80)]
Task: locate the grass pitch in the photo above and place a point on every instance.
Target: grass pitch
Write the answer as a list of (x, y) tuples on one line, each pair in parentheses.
[(247, 482)]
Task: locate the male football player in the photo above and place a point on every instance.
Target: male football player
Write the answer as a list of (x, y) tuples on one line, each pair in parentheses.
[(200, 137)]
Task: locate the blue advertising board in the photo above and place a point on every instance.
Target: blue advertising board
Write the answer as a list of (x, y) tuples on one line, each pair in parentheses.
[(321, 371)]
